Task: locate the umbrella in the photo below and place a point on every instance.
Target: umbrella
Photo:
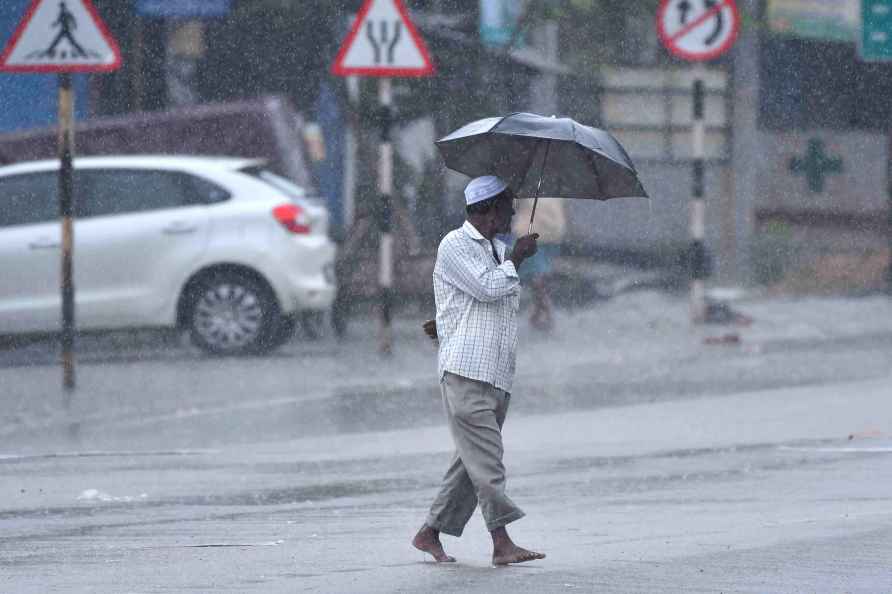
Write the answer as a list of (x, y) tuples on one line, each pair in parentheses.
[(573, 160)]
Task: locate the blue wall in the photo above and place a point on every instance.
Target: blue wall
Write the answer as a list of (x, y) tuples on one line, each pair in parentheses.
[(31, 100)]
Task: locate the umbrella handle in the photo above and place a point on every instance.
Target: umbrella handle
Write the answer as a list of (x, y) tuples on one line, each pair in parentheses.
[(538, 187)]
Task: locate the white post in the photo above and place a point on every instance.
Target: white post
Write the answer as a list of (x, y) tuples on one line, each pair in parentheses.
[(350, 155), (698, 257), (385, 188)]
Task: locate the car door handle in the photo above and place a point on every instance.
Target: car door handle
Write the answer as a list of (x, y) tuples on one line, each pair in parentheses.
[(44, 244), (179, 229)]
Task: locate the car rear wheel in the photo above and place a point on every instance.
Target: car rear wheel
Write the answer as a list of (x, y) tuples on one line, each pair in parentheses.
[(231, 314)]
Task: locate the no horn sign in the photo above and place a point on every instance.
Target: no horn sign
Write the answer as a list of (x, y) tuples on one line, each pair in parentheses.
[(698, 30)]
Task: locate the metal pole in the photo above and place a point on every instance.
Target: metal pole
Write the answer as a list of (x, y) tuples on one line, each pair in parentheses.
[(66, 213), (385, 188), (747, 159), (698, 256), (889, 217), (137, 76)]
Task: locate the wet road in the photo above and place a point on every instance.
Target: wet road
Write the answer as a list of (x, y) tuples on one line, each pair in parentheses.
[(645, 460), (754, 492), (150, 393)]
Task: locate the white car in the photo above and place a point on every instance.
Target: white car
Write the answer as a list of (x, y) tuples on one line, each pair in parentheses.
[(221, 247)]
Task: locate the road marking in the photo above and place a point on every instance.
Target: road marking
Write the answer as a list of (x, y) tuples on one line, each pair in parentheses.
[(843, 449), (210, 545)]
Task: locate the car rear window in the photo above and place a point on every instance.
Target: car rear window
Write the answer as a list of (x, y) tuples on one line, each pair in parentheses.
[(206, 191), (28, 199), (284, 185)]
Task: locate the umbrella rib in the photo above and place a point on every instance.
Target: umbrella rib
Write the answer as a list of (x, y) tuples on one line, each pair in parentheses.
[(594, 161), (529, 164), (496, 125)]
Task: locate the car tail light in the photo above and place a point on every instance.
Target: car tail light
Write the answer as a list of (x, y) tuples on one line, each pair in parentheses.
[(293, 218)]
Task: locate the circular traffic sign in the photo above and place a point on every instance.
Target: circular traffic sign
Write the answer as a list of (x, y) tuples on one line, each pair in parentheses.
[(698, 30)]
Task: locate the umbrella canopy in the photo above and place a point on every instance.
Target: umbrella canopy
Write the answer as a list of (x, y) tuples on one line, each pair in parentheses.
[(543, 156)]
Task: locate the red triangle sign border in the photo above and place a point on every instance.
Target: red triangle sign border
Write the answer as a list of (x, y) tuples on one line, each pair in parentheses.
[(59, 68), (339, 69)]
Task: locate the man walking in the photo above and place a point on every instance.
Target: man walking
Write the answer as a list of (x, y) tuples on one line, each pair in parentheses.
[(477, 295)]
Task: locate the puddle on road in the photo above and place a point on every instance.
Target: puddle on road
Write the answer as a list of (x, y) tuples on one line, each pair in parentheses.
[(13, 458), (654, 471), (302, 494), (262, 497), (133, 346)]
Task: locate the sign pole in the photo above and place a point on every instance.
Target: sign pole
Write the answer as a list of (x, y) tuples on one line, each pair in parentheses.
[(66, 213), (698, 36), (63, 37), (889, 218), (384, 43), (385, 188), (698, 256), (875, 45)]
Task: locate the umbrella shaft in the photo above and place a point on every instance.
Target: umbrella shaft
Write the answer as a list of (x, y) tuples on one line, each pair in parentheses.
[(539, 186), (533, 215)]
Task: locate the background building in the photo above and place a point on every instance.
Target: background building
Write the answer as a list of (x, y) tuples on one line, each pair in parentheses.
[(797, 122)]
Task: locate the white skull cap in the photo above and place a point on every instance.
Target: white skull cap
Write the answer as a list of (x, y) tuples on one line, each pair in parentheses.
[(482, 188)]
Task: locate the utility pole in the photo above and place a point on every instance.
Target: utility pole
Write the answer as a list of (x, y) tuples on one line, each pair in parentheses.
[(746, 160), (889, 217)]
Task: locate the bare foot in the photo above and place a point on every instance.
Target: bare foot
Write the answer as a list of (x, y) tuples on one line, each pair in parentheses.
[(428, 541), (512, 553)]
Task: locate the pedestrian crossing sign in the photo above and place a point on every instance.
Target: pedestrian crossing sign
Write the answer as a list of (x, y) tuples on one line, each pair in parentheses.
[(383, 42), (61, 36)]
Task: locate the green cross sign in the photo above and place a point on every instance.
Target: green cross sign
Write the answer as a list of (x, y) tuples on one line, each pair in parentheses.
[(815, 165), (875, 44)]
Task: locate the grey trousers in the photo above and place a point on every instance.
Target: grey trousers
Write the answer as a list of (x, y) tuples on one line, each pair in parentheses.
[(476, 412)]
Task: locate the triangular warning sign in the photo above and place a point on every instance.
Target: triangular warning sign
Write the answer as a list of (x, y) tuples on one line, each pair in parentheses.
[(383, 42), (61, 36)]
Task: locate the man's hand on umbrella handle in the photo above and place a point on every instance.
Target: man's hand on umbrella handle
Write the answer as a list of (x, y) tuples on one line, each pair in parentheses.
[(524, 247), (430, 328)]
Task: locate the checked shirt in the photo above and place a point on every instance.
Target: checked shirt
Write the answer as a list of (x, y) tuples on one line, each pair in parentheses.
[(477, 301)]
